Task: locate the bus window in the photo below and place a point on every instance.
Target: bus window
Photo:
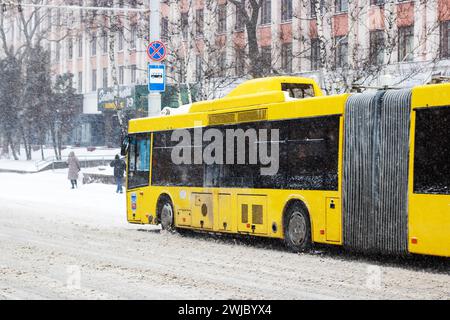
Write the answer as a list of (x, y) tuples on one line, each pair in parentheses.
[(313, 153), (165, 172), (432, 151), (298, 90), (278, 180), (139, 161)]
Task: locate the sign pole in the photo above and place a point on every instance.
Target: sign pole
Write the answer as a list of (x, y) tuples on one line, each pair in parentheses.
[(154, 98)]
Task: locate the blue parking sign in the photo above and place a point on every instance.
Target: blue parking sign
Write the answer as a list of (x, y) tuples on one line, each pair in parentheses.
[(156, 77)]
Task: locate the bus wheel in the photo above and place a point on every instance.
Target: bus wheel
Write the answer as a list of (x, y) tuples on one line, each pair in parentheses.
[(297, 229), (166, 216)]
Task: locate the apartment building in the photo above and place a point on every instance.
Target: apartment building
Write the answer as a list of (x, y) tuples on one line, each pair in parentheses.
[(101, 48), (337, 42)]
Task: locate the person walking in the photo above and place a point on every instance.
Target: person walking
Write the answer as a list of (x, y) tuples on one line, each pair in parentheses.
[(119, 170), (74, 169)]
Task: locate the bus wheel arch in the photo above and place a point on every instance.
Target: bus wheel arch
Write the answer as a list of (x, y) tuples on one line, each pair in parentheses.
[(165, 212), (297, 226)]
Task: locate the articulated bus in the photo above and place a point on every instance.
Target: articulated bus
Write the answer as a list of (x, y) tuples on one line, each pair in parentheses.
[(367, 171)]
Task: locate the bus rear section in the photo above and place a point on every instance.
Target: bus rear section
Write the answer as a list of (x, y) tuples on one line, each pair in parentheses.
[(396, 181), (429, 175)]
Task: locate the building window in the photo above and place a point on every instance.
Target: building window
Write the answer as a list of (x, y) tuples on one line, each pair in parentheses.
[(80, 82), (58, 51), (198, 68), (58, 18), (185, 25), (182, 70), (266, 12), (94, 80), (105, 77), (286, 10), (70, 48), (165, 28), (199, 22), (315, 54), (104, 42), (376, 47), (240, 61), (341, 53), (121, 40), (49, 19), (133, 37), (376, 2), (133, 73), (286, 57), (266, 59), (341, 6), (445, 39), (121, 75), (221, 64), (405, 43), (222, 18), (93, 45), (240, 22), (316, 7), (80, 47)]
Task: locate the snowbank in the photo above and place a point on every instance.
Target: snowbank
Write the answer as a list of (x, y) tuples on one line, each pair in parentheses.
[(83, 154)]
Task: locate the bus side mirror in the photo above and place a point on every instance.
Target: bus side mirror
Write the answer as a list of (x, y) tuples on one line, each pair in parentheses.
[(125, 146)]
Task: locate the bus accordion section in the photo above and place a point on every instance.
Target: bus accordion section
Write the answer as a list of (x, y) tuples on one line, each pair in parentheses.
[(375, 190)]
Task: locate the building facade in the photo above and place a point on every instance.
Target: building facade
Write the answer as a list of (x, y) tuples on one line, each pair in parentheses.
[(340, 43)]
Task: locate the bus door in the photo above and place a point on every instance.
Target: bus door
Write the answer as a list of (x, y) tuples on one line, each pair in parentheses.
[(138, 176), (429, 201)]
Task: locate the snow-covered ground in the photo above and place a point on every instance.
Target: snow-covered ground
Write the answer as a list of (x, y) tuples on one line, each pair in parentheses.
[(100, 153), (59, 243)]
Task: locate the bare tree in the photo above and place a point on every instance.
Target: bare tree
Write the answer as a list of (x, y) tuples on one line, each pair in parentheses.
[(34, 28), (365, 55), (250, 11)]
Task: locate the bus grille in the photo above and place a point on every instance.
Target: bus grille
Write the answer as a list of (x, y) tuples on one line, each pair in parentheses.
[(257, 214), (252, 115), (222, 118), (375, 180), (242, 116), (244, 212)]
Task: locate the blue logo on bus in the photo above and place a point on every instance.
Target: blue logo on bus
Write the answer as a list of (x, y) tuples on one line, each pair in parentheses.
[(133, 201)]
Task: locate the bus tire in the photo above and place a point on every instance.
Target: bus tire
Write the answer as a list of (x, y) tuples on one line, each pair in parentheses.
[(166, 214), (297, 228)]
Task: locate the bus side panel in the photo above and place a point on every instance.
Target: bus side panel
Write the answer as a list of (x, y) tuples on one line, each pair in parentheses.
[(429, 225), (264, 210)]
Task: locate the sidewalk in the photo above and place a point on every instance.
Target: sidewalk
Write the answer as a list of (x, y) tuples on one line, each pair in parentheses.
[(99, 156)]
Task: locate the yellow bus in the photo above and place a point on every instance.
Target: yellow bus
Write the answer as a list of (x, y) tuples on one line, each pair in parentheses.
[(369, 171)]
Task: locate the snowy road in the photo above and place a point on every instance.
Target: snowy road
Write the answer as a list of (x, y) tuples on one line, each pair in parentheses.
[(50, 234)]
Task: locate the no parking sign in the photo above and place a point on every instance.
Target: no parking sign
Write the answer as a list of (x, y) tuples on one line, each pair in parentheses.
[(157, 51)]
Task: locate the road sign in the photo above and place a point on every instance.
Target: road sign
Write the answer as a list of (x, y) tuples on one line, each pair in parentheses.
[(156, 51), (156, 78)]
